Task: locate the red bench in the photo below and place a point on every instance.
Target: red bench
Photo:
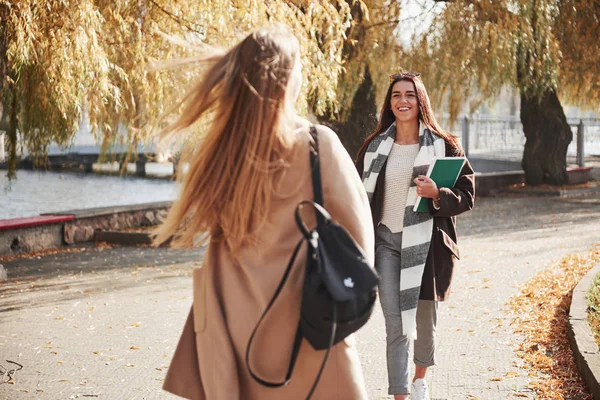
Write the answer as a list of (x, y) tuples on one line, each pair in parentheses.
[(577, 175), (15, 223)]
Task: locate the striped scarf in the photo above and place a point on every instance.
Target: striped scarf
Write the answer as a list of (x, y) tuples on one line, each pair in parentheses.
[(417, 227)]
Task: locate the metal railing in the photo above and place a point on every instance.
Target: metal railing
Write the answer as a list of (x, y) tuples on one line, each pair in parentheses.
[(503, 138)]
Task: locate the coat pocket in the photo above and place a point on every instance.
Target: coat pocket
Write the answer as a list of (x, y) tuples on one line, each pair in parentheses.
[(450, 244), (199, 299)]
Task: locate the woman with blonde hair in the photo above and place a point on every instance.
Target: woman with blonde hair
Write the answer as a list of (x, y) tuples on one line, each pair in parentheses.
[(245, 180), (415, 251)]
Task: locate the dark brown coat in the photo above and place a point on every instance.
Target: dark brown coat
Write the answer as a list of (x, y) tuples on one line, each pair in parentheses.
[(443, 251)]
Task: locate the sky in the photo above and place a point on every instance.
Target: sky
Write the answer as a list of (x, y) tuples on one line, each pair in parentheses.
[(416, 17)]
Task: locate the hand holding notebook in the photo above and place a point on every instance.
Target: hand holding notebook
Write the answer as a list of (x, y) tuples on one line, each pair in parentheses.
[(444, 171)]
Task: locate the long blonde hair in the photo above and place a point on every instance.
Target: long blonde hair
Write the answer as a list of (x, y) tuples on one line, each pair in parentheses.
[(228, 188)]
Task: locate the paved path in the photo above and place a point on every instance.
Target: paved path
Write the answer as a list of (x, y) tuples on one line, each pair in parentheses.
[(107, 329)]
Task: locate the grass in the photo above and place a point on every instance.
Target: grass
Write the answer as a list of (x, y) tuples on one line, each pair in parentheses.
[(594, 308)]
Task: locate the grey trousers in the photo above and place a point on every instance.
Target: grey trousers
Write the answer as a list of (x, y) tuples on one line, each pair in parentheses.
[(387, 264)]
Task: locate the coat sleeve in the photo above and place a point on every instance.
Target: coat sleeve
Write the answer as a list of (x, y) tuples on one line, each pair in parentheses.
[(460, 198), (344, 195)]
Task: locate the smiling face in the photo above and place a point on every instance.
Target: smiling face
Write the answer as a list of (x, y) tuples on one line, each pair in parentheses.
[(403, 102)]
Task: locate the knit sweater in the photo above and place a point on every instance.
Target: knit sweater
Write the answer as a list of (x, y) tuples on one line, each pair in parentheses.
[(399, 169)]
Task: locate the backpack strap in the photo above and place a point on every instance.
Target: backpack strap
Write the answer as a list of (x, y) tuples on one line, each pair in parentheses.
[(315, 165), (321, 219), (297, 340)]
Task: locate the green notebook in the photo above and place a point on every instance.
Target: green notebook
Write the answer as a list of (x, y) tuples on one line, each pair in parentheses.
[(444, 172)]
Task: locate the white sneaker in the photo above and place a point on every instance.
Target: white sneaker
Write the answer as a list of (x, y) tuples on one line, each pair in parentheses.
[(419, 390)]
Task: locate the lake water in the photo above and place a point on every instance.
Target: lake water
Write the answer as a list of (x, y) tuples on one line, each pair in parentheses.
[(35, 192)]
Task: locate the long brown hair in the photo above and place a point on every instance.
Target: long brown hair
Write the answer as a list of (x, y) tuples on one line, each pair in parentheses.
[(228, 188), (426, 116)]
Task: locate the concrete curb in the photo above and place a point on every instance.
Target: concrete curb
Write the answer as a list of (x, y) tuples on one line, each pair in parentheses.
[(487, 183), (123, 238), (550, 193), (492, 183), (103, 211), (583, 344), (56, 230)]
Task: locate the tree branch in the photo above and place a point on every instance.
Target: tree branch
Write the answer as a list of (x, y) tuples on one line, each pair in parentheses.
[(395, 22), (181, 21)]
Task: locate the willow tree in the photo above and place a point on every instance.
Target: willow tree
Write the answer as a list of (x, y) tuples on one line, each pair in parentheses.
[(370, 53), (547, 49), (60, 57), (47, 64)]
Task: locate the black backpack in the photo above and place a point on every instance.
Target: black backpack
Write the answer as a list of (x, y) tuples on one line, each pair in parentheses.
[(340, 286)]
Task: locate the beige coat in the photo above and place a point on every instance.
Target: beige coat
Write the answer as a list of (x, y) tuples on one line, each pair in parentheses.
[(229, 297)]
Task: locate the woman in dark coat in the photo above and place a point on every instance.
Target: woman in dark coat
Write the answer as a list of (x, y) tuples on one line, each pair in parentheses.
[(415, 252)]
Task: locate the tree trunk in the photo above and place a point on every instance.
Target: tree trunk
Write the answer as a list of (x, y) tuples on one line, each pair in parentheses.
[(12, 136), (363, 116), (3, 45), (4, 124), (361, 120), (547, 135)]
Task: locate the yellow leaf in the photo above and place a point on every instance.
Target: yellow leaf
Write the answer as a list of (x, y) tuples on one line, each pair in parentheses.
[(495, 379), (512, 374), (134, 348)]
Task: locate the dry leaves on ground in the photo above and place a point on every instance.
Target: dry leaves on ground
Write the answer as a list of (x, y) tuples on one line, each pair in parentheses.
[(541, 315), (40, 253)]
